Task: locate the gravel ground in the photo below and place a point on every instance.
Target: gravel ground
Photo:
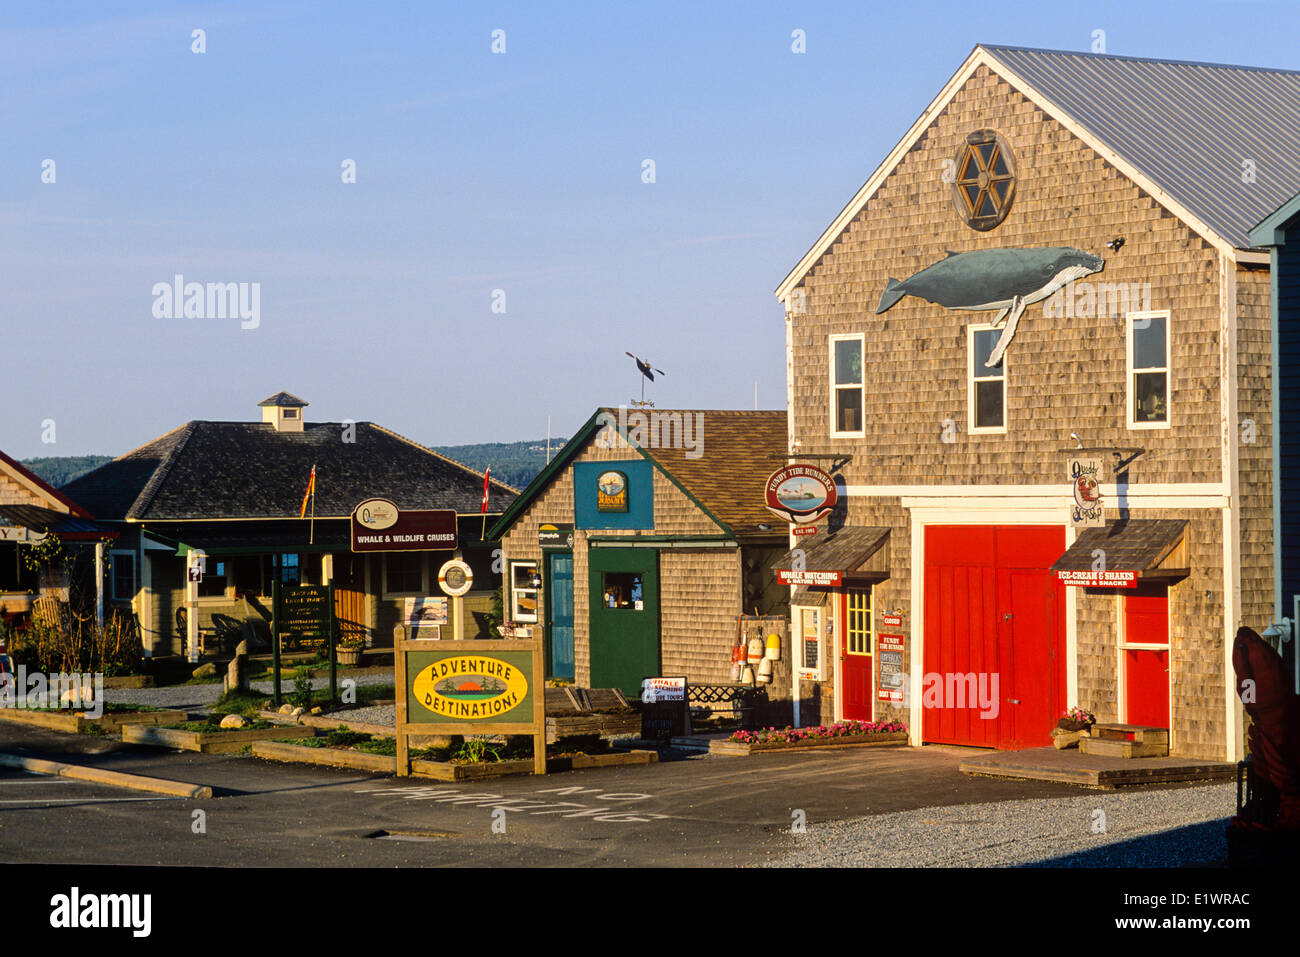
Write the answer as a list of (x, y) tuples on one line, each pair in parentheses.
[(1167, 828), (204, 696), (382, 714)]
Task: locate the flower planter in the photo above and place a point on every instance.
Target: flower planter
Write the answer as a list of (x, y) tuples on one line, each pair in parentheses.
[(446, 771), (209, 742), (875, 740), (350, 656)]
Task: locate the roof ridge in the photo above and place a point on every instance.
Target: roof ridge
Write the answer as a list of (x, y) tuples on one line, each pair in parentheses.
[(439, 455), (160, 473), (992, 47)]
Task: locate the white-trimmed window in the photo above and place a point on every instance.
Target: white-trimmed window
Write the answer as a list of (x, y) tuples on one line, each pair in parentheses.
[(1147, 373), (215, 579), (809, 648), (404, 574), (846, 381), (523, 591), (123, 573), (986, 388)]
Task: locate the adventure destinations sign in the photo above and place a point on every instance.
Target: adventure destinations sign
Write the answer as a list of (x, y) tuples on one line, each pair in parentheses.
[(469, 686)]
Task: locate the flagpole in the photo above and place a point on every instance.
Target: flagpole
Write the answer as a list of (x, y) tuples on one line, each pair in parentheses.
[(312, 536)]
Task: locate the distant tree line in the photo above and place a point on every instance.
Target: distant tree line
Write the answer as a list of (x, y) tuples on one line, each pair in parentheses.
[(59, 470)]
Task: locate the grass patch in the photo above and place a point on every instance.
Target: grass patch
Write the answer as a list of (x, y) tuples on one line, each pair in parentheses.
[(245, 703), (343, 739), (214, 726)]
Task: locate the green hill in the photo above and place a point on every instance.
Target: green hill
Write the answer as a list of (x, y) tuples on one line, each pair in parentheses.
[(515, 463), (59, 470)]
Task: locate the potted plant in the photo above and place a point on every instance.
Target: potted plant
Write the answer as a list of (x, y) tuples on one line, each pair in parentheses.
[(1077, 719), (350, 649)]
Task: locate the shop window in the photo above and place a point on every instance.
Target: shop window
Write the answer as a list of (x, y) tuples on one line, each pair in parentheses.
[(14, 574), (808, 643), (1148, 370), (523, 591), (247, 570), (287, 569), (123, 573), (987, 387), (857, 628), (214, 579), (846, 386), (623, 590), (403, 573)]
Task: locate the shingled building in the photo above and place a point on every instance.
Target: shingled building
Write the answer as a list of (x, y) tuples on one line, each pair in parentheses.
[(234, 490)]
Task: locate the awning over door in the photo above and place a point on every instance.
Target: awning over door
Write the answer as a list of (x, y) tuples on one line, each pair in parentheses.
[(1121, 554), (854, 552)]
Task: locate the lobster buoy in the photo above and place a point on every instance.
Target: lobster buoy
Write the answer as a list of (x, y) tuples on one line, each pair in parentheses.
[(756, 650), (747, 675), (765, 671), (773, 647)]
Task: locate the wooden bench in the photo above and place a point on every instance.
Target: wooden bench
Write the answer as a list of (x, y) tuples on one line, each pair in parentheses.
[(1126, 741)]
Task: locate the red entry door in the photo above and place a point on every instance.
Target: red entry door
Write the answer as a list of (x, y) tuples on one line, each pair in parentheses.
[(1146, 655), (855, 654), (994, 651)]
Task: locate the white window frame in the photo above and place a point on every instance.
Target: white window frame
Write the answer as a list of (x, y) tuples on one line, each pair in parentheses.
[(1130, 391), (860, 339), (971, 379), (514, 604), (227, 590), (798, 640), (424, 577), (114, 558)]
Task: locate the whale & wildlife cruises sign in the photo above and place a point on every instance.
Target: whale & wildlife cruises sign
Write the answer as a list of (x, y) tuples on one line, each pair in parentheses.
[(380, 526)]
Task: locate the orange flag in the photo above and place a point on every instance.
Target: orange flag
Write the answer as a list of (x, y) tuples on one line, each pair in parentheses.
[(311, 490)]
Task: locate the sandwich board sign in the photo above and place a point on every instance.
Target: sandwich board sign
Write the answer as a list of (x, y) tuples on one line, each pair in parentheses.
[(481, 686)]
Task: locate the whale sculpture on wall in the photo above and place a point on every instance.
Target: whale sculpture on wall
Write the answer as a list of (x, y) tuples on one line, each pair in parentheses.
[(1007, 280)]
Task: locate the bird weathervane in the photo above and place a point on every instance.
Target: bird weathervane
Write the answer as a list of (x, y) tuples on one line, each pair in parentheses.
[(647, 372)]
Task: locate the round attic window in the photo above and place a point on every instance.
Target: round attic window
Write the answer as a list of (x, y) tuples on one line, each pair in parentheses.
[(985, 183)]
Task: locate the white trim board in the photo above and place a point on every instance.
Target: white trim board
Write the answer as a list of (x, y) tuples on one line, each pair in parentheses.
[(982, 57)]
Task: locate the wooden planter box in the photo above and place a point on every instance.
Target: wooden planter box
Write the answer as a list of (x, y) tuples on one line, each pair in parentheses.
[(444, 771), (76, 722), (209, 742), (329, 757), (606, 725), (617, 759), (893, 738)]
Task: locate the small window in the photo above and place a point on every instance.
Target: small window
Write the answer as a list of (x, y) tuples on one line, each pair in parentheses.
[(846, 386), (987, 386), (808, 643), (623, 590), (857, 627), (523, 591), (123, 576), (291, 413), (1148, 370), (404, 573), (214, 579)]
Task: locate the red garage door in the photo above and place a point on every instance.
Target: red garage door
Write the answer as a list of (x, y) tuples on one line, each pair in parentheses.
[(994, 635)]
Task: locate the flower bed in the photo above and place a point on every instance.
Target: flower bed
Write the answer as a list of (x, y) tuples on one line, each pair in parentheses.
[(840, 734)]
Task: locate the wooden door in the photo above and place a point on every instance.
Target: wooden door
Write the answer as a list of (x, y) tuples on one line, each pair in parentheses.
[(855, 654), (350, 593), (624, 609), (1145, 650), (559, 615)]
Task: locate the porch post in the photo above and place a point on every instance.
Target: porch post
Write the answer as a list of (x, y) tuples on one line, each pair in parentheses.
[(99, 585)]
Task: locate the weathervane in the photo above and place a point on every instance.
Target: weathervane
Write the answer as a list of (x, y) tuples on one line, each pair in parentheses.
[(647, 372)]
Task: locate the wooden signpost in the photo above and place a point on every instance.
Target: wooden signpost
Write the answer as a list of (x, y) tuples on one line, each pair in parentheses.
[(304, 615), (470, 687)]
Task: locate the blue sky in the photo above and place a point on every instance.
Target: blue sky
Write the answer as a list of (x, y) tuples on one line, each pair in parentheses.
[(476, 171)]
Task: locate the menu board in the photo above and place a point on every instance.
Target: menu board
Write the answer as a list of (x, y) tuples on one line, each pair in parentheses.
[(304, 616), (889, 681)]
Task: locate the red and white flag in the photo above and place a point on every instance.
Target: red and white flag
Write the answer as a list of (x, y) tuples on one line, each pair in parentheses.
[(486, 476)]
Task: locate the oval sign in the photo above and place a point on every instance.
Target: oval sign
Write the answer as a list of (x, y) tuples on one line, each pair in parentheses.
[(455, 578), (470, 687), (801, 493), (376, 514)]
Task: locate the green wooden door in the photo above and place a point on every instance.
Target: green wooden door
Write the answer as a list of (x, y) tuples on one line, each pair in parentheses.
[(624, 617)]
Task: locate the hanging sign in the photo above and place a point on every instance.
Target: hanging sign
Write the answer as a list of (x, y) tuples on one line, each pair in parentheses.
[(800, 494), (1085, 486), (380, 526), (788, 576), (16, 533), (1092, 579)]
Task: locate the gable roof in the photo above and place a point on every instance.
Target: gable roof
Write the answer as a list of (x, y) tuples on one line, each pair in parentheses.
[(1272, 230), (739, 450), (1178, 130), (48, 505), (228, 470)]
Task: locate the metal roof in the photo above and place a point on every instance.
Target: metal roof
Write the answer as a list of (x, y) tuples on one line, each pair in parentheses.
[(1187, 126)]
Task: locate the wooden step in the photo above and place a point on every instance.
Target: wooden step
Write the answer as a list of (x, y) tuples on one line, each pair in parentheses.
[(1120, 748)]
